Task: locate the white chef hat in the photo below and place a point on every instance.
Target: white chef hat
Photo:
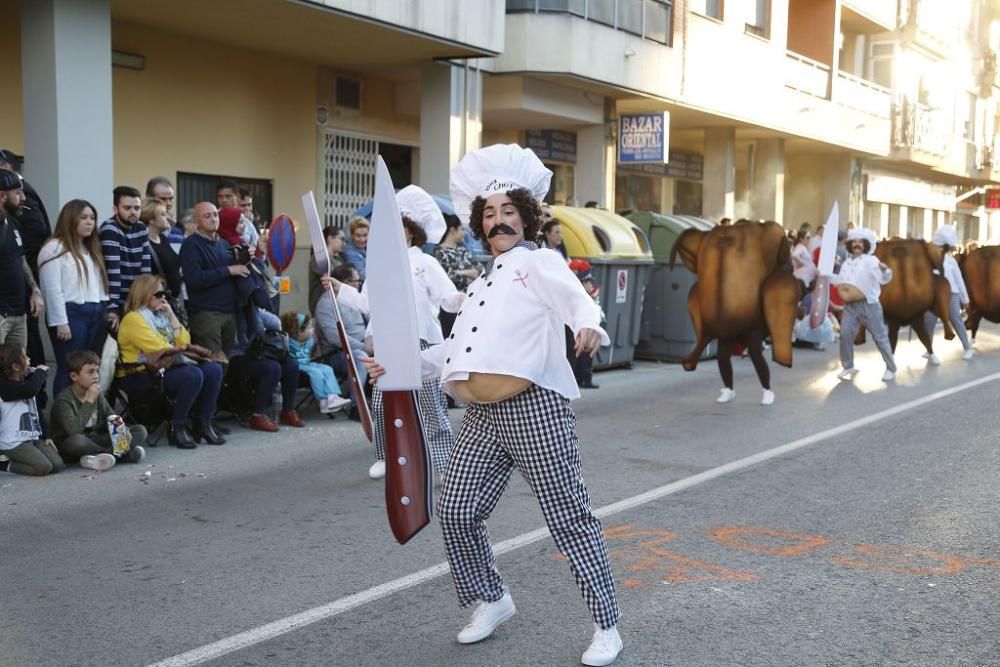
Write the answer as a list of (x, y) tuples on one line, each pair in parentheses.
[(946, 235), (495, 169), (861, 234), (414, 203)]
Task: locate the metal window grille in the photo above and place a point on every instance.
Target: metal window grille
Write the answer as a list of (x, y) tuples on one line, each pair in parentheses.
[(348, 175)]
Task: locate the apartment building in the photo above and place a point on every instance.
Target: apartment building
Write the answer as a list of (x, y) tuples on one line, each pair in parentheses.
[(775, 108)]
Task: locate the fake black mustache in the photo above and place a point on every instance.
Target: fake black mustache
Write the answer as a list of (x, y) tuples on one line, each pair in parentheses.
[(501, 229)]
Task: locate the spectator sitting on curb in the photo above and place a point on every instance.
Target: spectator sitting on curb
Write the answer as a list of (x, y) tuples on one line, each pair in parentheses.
[(355, 325), (80, 416), (334, 237), (356, 251), (301, 342), (20, 426)]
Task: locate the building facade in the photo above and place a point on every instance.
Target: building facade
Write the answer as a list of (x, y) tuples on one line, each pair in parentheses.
[(776, 108)]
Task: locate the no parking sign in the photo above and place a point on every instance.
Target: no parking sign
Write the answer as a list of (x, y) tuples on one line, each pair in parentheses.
[(621, 286), (281, 243)]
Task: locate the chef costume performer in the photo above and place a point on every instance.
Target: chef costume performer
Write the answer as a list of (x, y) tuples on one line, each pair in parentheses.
[(506, 357), (860, 284), (947, 238), (432, 292)]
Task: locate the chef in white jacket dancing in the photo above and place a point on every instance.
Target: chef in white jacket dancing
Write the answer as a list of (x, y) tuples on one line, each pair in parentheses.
[(506, 357), (432, 291)]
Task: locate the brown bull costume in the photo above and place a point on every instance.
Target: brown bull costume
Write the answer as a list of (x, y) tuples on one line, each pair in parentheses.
[(914, 290), (742, 293), (981, 270)]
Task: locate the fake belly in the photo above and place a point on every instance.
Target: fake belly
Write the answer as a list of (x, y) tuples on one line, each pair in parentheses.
[(850, 293), (488, 387)]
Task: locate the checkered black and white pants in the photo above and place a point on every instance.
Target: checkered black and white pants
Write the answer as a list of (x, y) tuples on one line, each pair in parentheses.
[(534, 432), (433, 408), (870, 315), (954, 316)]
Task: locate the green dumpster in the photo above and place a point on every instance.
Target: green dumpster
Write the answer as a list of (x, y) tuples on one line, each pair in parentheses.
[(620, 258), (665, 331)]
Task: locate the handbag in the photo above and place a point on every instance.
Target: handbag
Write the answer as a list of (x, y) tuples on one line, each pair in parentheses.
[(269, 344)]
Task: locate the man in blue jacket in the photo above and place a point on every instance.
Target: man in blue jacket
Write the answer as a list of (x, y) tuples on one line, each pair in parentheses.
[(208, 274)]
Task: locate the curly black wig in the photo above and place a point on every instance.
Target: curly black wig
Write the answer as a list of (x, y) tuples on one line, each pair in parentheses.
[(529, 210)]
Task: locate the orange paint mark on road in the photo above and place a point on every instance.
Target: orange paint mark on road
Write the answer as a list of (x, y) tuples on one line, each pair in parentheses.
[(626, 532), (682, 570), (732, 536), (902, 560), (633, 583), (983, 562)]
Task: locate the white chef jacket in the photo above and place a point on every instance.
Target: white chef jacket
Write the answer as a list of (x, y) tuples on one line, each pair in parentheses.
[(806, 271), (432, 291), (864, 273), (954, 277), (512, 323)]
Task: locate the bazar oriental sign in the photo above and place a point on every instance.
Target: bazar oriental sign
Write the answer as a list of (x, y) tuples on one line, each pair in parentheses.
[(643, 138)]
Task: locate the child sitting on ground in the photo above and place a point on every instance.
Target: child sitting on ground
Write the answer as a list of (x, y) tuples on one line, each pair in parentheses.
[(20, 427), (301, 342), (79, 423)]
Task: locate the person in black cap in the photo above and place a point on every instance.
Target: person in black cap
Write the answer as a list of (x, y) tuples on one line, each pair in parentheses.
[(35, 227), (16, 279)]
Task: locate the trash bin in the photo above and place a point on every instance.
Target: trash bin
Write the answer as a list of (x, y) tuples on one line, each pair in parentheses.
[(619, 255), (665, 331)]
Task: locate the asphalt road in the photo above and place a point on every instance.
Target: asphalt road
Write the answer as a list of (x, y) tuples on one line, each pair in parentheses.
[(870, 540)]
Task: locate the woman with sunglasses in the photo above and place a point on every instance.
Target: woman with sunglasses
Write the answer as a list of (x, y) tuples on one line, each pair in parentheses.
[(150, 330)]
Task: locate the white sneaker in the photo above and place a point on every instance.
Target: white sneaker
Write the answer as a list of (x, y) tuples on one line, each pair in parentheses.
[(324, 406), (604, 647), (768, 397), (377, 471), (726, 395), (847, 373), (933, 360), (968, 354), (926, 355), (485, 619), (98, 462), (335, 403), (888, 376)]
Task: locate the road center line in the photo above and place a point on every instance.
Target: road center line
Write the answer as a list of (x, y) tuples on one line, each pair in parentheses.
[(284, 626)]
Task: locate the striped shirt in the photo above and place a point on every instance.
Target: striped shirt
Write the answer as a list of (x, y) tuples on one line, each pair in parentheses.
[(126, 256)]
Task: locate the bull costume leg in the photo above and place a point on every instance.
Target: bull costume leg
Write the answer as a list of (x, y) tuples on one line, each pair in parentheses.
[(535, 433)]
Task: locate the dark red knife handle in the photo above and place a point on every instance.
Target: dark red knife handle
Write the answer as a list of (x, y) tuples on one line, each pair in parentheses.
[(407, 466)]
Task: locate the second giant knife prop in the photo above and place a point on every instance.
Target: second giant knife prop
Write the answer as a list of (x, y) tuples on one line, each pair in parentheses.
[(397, 348), (827, 255), (322, 258)]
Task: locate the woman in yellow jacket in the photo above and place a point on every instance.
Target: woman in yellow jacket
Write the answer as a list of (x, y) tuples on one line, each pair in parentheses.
[(150, 333)]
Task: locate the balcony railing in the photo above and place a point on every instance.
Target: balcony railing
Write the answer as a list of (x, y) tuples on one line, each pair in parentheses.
[(857, 93), (807, 75), (919, 127)]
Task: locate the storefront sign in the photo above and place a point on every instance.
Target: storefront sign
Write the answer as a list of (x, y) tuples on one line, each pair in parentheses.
[(644, 138), (552, 145), (910, 192), (689, 166)]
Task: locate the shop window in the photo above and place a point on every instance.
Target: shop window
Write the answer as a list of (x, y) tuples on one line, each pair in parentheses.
[(578, 7), (630, 16), (712, 8), (759, 18), (602, 12), (658, 21), (687, 197), (561, 192), (195, 188)]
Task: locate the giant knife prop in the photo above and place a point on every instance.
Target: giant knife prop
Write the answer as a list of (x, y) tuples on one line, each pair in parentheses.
[(323, 265), (397, 348), (827, 255)]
